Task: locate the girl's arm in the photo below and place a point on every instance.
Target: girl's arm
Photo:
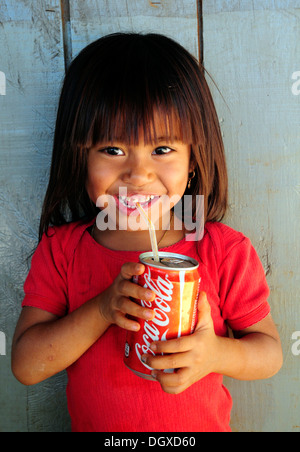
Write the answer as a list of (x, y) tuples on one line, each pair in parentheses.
[(255, 353), (44, 344)]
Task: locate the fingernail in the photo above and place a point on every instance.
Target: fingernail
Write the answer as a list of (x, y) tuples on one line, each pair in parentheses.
[(149, 315), (144, 359), (149, 295), (153, 347), (154, 374)]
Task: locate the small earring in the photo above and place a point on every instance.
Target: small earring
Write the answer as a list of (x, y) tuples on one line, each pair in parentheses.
[(190, 179)]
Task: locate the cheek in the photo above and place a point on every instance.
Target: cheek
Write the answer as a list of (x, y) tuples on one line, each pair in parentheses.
[(90, 188), (94, 185), (178, 178)]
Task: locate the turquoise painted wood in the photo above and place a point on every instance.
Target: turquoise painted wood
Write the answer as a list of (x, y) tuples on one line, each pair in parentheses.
[(176, 19), (251, 48), (33, 63), (32, 68), (252, 51)]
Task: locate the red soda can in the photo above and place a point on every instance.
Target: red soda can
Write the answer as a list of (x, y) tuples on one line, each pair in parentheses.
[(176, 282)]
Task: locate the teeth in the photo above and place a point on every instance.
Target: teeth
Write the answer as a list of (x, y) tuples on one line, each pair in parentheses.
[(131, 201)]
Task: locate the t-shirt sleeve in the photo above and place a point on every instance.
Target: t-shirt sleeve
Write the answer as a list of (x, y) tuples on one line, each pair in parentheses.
[(46, 284), (244, 290)]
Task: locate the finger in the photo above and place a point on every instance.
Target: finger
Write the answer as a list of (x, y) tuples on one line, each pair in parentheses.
[(203, 304), (128, 307), (204, 312), (172, 383), (127, 324), (179, 345), (130, 289), (172, 361), (131, 269)]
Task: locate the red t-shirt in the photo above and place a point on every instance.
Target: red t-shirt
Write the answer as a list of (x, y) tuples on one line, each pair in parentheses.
[(70, 268)]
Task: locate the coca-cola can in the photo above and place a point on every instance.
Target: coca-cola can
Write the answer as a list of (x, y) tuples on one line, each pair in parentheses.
[(176, 282)]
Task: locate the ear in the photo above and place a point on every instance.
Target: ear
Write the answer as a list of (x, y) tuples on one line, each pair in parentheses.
[(193, 164), (193, 160)]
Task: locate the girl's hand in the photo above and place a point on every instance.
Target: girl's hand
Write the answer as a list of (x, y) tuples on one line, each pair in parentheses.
[(193, 357), (115, 303)]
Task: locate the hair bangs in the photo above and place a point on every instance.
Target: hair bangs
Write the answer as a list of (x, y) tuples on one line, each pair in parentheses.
[(141, 93), (149, 122), (141, 114)]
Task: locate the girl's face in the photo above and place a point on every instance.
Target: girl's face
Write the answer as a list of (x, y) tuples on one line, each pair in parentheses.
[(151, 174)]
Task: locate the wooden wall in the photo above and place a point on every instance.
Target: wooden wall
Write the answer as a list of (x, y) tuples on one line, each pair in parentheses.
[(251, 48)]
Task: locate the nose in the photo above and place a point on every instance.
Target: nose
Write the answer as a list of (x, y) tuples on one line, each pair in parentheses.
[(138, 172)]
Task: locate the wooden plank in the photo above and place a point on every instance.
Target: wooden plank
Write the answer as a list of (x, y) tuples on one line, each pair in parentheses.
[(33, 64), (252, 55), (33, 68), (174, 18), (221, 6), (2, 84), (66, 30)]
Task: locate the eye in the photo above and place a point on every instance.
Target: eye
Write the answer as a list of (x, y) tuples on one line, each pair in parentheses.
[(113, 151), (162, 150)]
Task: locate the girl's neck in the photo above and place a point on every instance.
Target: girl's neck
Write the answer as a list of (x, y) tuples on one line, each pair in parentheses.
[(136, 240)]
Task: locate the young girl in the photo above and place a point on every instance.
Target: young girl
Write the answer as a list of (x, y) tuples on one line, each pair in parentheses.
[(136, 114)]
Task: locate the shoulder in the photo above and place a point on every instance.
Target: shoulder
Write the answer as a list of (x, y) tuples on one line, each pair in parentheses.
[(64, 239), (223, 238)]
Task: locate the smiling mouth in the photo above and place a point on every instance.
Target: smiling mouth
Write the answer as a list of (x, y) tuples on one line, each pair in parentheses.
[(131, 201)]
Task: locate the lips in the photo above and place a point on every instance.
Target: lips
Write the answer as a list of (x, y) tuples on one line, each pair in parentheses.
[(131, 201), (128, 204)]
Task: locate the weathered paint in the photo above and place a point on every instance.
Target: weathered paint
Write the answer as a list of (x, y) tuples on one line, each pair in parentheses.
[(2, 84), (33, 62), (66, 31), (176, 19), (251, 49), (2, 344)]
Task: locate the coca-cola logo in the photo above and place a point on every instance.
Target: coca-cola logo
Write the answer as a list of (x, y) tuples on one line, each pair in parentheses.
[(156, 329)]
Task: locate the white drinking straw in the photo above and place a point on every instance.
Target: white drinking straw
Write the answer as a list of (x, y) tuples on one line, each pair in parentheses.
[(151, 232)]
